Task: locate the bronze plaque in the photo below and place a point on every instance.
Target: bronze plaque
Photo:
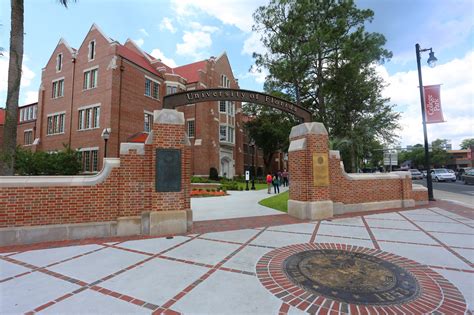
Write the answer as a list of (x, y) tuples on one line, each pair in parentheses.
[(168, 170), (320, 169), (351, 277)]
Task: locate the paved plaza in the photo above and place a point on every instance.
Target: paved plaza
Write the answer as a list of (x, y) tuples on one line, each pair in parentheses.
[(238, 271)]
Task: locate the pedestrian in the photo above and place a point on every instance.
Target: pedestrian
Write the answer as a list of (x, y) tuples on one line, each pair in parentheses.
[(269, 182), (284, 175), (276, 183)]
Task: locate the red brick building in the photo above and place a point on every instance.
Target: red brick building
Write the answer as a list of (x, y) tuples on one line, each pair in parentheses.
[(106, 85)]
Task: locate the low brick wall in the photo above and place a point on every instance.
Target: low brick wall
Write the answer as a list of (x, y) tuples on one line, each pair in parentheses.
[(117, 201)]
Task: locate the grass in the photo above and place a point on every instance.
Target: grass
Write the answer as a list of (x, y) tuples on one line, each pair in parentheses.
[(258, 186), (278, 202)]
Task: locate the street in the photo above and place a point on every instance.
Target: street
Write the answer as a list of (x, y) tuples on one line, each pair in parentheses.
[(456, 192)]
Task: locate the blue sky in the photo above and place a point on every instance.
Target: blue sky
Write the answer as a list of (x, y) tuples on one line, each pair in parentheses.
[(183, 31)]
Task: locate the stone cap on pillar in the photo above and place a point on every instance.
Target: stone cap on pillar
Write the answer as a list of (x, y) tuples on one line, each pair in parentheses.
[(316, 128), (168, 116)]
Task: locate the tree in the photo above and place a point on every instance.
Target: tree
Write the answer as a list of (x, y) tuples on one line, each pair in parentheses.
[(7, 156), (467, 143), (270, 129), (64, 162), (319, 54)]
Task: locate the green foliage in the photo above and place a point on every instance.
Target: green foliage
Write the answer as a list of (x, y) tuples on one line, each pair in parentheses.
[(65, 162), (467, 143), (230, 185), (320, 55), (197, 179), (438, 155), (278, 202)]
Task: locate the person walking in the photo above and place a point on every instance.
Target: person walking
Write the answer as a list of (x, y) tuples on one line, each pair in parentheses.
[(276, 183), (269, 182), (284, 175)]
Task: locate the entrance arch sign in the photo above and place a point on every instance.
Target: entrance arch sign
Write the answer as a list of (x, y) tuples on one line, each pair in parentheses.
[(197, 96)]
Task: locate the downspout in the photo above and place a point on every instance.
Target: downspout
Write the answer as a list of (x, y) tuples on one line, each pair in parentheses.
[(120, 105), (72, 99)]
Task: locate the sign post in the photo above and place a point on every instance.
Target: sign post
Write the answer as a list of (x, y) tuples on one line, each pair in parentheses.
[(247, 178)]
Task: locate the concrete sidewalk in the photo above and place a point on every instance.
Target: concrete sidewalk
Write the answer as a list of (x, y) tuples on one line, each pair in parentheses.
[(238, 204), (233, 272)]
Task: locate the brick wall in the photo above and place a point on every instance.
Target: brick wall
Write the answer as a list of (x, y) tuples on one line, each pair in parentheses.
[(127, 190)]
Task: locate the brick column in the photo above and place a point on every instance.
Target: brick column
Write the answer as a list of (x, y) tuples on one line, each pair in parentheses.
[(170, 209), (309, 172)]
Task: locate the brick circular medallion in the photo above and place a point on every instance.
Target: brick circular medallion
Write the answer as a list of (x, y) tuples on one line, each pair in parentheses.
[(344, 278)]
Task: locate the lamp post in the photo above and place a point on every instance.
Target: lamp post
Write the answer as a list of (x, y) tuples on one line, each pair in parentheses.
[(105, 136), (252, 145), (431, 62)]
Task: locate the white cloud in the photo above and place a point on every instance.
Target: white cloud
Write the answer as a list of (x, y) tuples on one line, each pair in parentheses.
[(157, 53), (204, 28), (233, 12), (253, 44), (30, 97), (166, 24), (457, 100), (26, 78), (194, 44), (144, 32), (258, 76), (139, 42)]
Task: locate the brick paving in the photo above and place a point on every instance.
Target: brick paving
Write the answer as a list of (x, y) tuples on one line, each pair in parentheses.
[(218, 268)]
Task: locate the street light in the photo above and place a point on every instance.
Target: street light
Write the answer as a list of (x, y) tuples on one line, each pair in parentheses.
[(252, 145), (431, 62), (105, 135)]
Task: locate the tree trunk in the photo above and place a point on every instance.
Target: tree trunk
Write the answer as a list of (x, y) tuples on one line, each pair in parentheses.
[(7, 160), (267, 160)]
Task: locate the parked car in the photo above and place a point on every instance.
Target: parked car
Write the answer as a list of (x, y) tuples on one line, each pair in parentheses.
[(416, 174), (442, 174), (462, 171), (468, 177)]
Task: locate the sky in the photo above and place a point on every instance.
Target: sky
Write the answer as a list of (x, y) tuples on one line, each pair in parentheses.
[(184, 31)]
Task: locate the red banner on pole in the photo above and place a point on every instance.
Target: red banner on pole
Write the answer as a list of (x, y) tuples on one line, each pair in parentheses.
[(433, 112)]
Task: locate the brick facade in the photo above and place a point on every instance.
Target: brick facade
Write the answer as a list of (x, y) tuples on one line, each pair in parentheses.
[(119, 92)]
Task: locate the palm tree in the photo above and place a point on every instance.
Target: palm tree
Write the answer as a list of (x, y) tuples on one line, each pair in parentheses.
[(7, 154)]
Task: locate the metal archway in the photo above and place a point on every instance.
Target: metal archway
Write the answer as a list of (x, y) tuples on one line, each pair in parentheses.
[(223, 94)]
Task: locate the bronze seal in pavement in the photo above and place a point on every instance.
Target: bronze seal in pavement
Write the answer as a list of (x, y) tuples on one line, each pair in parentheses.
[(351, 277)]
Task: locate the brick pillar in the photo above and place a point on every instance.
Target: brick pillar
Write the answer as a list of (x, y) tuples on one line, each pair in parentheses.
[(170, 197), (309, 172)]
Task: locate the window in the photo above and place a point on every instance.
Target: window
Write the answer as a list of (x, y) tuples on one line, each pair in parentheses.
[(90, 79), (28, 137), (91, 54), (222, 133), (55, 123), (171, 89), (222, 106), (89, 118), (58, 88), (225, 82), (90, 161), (191, 128), (152, 88), (148, 126), (230, 108), (59, 62), (226, 133)]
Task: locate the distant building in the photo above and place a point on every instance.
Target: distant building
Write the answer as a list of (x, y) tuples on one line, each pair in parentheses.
[(460, 158)]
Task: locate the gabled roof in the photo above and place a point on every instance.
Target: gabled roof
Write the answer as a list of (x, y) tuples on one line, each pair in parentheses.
[(191, 71), (137, 59), (2, 116)]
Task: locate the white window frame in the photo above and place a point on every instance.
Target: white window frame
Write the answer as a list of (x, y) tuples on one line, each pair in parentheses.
[(94, 50), (150, 123), (24, 134), (194, 127), (152, 87), (91, 161), (57, 93), (59, 62), (88, 85), (59, 127), (86, 120)]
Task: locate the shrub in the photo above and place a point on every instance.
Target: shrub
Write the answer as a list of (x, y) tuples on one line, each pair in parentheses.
[(65, 162)]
